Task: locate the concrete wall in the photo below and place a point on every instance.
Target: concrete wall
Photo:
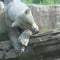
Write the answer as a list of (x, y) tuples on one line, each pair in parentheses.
[(46, 16)]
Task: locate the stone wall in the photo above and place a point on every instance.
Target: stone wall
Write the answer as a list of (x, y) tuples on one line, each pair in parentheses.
[(46, 16)]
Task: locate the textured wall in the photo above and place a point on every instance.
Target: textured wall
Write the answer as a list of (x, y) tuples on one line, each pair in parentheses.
[(46, 16)]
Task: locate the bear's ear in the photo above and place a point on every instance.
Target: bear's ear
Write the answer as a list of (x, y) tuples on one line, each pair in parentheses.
[(27, 11)]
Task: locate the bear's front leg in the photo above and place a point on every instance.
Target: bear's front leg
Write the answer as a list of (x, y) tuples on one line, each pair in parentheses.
[(13, 35), (24, 39)]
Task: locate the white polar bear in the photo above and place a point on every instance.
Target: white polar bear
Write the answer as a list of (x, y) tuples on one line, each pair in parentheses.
[(19, 15)]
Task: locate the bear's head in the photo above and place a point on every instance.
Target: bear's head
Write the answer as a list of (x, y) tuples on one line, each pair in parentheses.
[(21, 14)]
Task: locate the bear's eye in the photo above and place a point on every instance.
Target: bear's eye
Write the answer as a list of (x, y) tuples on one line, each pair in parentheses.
[(27, 11)]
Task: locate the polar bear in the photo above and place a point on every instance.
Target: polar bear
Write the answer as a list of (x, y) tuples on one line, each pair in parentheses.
[(18, 15)]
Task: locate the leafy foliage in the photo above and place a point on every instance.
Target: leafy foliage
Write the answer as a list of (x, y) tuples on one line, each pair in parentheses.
[(27, 1), (35, 1), (42, 1)]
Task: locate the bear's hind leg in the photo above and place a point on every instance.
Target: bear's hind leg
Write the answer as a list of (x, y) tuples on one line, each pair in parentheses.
[(13, 35)]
